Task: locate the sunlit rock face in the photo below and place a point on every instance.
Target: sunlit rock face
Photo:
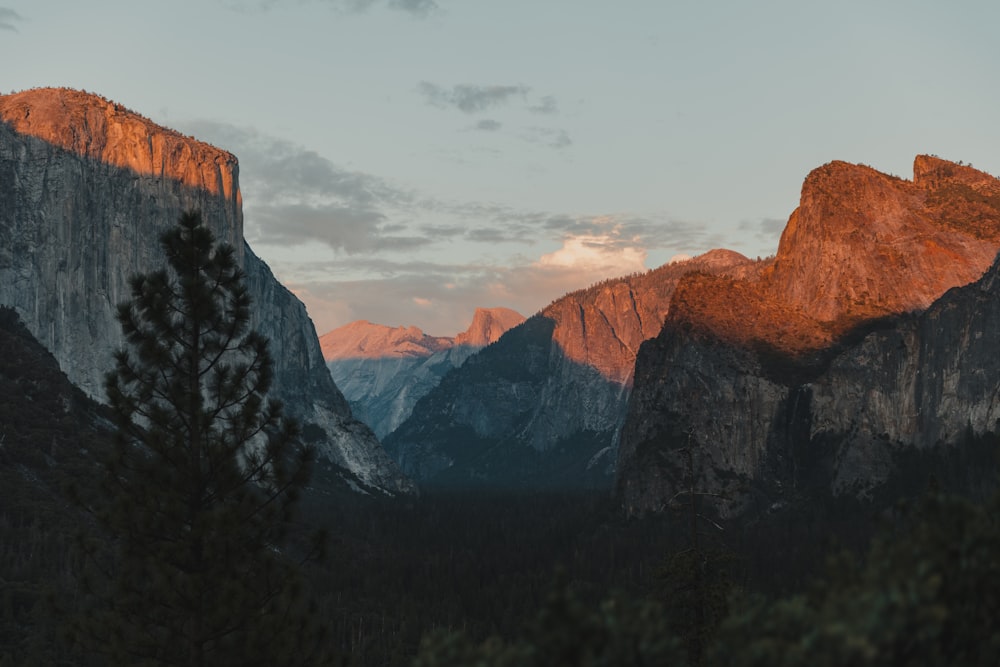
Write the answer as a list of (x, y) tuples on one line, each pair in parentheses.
[(88, 187), (383, 371), (541, 407), (787, 379)]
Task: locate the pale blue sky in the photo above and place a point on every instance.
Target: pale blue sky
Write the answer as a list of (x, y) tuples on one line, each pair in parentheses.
[(404, 161)]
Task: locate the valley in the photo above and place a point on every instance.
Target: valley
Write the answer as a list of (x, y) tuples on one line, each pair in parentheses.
[(655, 467)]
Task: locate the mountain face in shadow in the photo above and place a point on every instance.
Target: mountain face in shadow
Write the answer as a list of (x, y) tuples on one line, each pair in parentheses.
[(541, 407), (843, 361), (383, 371), (88, 187)]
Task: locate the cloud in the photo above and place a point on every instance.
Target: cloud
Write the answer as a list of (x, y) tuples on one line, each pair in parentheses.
[(547, 105), (548, 136), (339, 227), (597, 254), (470, 98), (8, 19), (417, 8), (488, 125), (390, 292), (441, 298), (766, 230), (294, 195)]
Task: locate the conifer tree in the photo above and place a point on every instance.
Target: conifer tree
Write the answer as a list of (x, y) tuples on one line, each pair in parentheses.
[(197, 497)]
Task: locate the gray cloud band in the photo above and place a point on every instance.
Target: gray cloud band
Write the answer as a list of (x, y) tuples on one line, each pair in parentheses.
[(294, 195), (470, 98)]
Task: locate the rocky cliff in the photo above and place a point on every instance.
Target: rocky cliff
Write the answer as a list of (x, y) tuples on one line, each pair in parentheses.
[(789, 379), (383, 371), (88, 187), (541, 407)]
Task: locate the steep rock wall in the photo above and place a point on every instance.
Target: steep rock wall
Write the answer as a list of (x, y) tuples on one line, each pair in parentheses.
[(803, 376), (88, 187)]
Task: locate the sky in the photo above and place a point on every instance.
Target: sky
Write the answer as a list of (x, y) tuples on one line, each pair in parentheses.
[(406, 161)]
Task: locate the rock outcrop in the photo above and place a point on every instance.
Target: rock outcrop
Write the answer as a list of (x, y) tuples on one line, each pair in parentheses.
[(88, 187), (788, 379), (541, 407), (383, 371)]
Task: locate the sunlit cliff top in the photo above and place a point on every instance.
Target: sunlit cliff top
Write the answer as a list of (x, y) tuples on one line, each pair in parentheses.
[(97, 128)]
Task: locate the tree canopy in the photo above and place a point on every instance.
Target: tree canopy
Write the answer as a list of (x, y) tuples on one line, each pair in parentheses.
[(197, 496)]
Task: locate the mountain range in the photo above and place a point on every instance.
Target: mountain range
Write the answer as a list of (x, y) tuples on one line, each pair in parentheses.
[(854, 363), (383, 370), (542, 406), (730, 343)]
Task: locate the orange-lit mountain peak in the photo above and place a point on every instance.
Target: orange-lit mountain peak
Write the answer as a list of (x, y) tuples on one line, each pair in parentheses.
[(861, 245), (100, 129)]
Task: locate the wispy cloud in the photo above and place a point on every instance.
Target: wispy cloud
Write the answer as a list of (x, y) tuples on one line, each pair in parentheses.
[(548, 136), (417, 8), (765, 230), (488, 125), (474, 98), (546, 105), (440, 298), (470, 98), (295, 195), (384, 290), (8, 19)]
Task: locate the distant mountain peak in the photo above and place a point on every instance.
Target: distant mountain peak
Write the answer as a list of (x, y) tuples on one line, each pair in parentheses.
[(383, 371), (362, 339), (488, 324)]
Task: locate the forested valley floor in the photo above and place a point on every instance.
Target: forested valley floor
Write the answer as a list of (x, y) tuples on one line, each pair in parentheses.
[(542, 578)]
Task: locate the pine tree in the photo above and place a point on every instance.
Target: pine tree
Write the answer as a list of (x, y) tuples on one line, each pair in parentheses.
[(197, 498)]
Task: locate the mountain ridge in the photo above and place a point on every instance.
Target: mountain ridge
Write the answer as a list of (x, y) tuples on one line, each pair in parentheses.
[(549, 395), (383, 371)]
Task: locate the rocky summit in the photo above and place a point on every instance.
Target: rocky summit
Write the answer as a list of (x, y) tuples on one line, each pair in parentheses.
[(843, 354), (541, 407), (88, 186), (383, 371)]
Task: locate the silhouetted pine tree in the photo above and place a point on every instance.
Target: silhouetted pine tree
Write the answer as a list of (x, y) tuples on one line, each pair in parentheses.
[(191, 565)]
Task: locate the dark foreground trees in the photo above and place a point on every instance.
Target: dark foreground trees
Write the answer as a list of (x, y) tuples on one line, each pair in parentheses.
[(190, 564), (927, 595)]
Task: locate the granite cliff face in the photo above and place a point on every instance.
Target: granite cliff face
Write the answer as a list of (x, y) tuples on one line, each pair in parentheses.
[(541, 407), (788, 379), (88, 187), (383, 371)]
